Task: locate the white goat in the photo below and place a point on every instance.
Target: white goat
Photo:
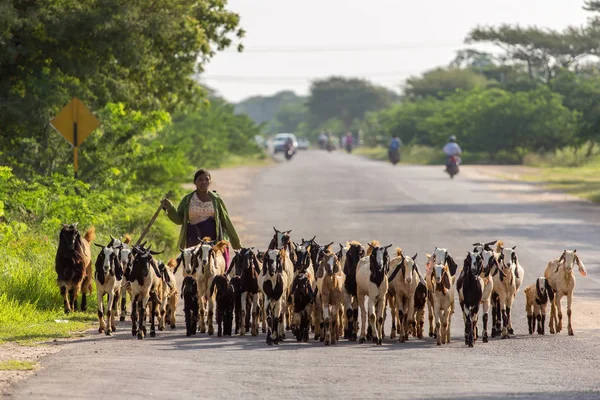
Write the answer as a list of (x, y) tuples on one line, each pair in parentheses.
[(561, 278)]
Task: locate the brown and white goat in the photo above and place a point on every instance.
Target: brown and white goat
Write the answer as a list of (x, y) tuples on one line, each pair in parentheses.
[(350, 262), (561, 277), (403, 279), (211, 262), (330, 283), (440, 256), (441, 298), (169, 295), (536, 300), (372, 281)]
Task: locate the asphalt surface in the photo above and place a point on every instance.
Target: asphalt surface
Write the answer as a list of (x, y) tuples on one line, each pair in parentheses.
[(338, 197)]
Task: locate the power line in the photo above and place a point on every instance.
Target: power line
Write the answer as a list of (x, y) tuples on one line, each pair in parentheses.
[(300, 79), (363, 48)]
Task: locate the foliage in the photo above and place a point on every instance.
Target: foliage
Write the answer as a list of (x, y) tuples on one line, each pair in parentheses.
[(265, 108), (442, 82), (345, 100)]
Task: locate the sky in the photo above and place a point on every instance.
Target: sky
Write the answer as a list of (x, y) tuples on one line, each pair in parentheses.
[(288, 43)]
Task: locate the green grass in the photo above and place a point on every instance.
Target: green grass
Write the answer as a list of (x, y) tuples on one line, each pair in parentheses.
[(16, 365), (583, 182), (420, 155), (254, 160), (24, 322)]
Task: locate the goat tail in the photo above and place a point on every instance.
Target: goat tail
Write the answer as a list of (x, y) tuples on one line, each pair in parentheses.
[(90, 235), (172, 263), (398, 251)]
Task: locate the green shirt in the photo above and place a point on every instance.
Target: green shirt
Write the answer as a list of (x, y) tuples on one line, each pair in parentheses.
[(225, 228)]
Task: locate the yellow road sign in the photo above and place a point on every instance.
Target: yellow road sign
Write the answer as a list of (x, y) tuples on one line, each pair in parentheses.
[(75, 122)]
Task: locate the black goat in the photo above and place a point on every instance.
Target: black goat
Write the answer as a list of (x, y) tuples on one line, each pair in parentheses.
[(189, 293), (225, 304)]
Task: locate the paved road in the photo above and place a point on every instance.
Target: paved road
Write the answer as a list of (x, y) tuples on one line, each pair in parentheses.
[(340, 197)]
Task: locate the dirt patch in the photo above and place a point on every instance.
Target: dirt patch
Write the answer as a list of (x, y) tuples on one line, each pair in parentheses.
[(14, 351)]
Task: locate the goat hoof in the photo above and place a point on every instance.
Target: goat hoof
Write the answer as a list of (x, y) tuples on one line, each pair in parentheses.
[(122, 318), (485, 339), (571, 333), (511, 331), (188, 334), (113, 329), (108, 333), (100, 330), (431, 334), (362, 340), (152, 334), (140, 335), (160, 328)]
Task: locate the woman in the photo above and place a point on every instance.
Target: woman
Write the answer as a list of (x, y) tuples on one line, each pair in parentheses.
[(202, 214)]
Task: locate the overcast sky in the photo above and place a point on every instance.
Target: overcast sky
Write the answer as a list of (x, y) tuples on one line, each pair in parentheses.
[(290, 42)]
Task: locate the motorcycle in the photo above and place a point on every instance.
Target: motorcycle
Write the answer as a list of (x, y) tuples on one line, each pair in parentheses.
[(289, 152), (394, 156), (452, 166), (330, 146)]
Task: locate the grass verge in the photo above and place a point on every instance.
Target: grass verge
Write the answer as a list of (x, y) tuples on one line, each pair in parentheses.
[(254, 160), (24, 323), (16, 365)]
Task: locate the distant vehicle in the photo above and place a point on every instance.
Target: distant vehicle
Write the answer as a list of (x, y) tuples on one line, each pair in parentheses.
[(303, 144), (280, 140)]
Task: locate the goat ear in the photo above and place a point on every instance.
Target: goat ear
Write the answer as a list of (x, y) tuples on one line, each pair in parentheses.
[(446, 281), (414, 258), (582, 270), (451, 264), (550, 291), (99, 245), (514, 247)]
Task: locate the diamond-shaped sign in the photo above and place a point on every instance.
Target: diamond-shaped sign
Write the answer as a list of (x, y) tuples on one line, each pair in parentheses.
[(75, 117)]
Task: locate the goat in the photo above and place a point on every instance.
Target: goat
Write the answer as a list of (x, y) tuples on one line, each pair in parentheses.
[(125, 257), (330, 283), (274, 284), (281, 241), (419, 316), (73, 265), (146, 281), (212, 263), (372, 281), (350, 261), (403, 281), (441, 299), (249, 290), (108, 278), (316, 254), (440, 256), (225, 298), (169, 296), (303, 296), (189, 294), (490, 263), (561, 277), (510, 258), (470, 291), (536, 299), (505, 289)]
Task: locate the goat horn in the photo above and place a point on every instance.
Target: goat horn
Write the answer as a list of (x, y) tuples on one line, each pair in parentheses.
[(99, 245)]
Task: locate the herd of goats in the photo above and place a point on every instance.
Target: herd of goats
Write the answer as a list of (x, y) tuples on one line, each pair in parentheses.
[(310, 287)]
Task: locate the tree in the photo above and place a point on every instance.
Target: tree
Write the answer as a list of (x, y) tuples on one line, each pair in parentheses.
[(139, 54), (442, 82), (264, 108), (345, 99), (288, 117)]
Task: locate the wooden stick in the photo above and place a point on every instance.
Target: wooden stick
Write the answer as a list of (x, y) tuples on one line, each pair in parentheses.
[(145, 231)]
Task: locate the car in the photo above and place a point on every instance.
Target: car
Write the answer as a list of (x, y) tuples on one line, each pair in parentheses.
[(280, 140), (303, 144)]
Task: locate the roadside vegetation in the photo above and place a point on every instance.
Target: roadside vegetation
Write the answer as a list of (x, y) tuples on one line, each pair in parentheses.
[(158, 125)]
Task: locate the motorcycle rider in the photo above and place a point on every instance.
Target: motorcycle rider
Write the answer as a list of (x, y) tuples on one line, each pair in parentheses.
[(394, 149), (452, 149), (349, 142)]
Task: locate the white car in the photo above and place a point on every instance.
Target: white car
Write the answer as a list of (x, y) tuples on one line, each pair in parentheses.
[(303, 144), (280, 140)]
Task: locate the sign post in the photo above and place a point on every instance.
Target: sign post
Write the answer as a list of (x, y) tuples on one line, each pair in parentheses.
[(75, 122)]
